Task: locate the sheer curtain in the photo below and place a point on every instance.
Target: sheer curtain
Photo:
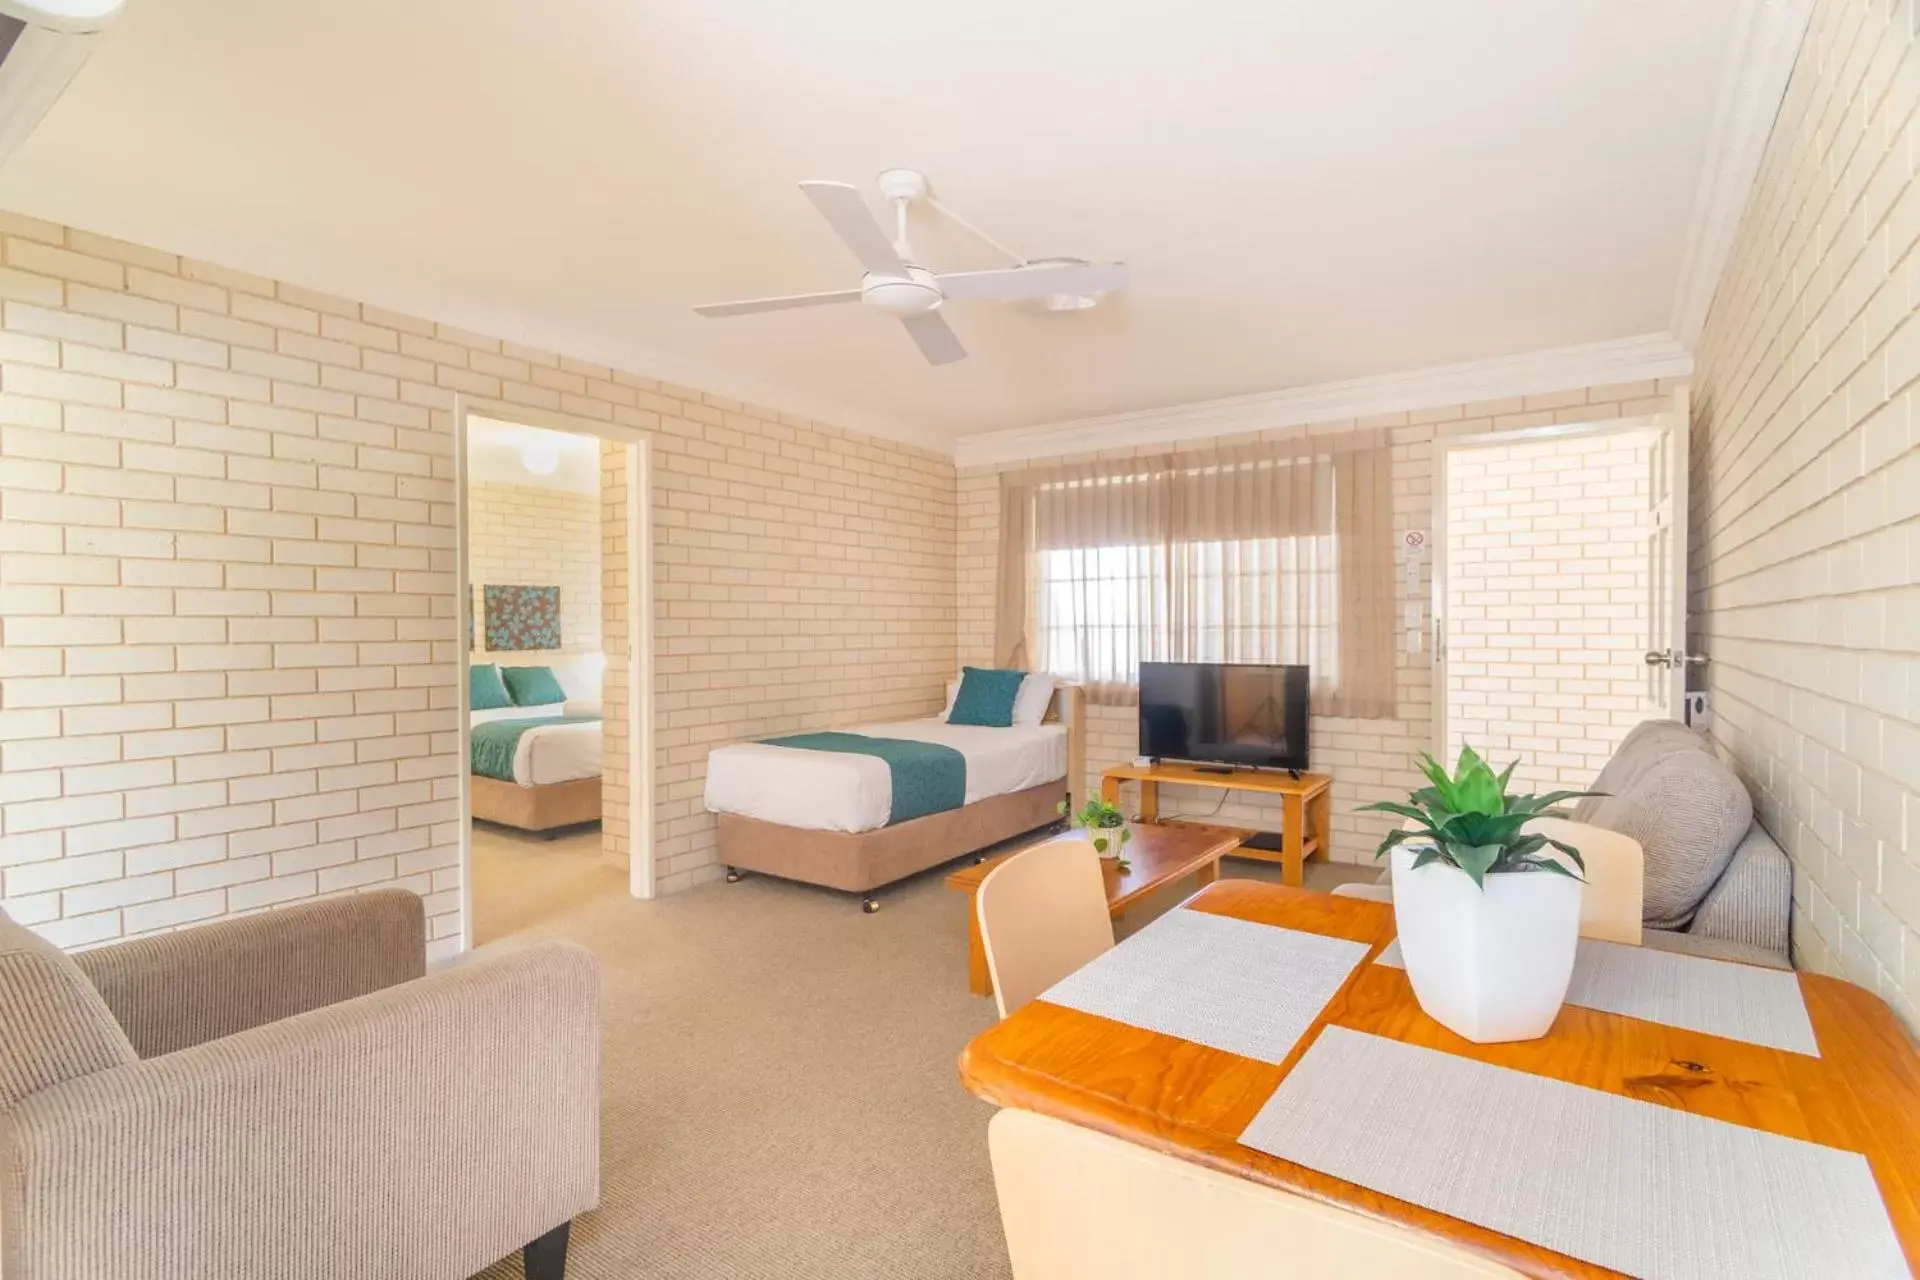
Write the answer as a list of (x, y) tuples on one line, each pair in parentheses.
[(1270, 553)]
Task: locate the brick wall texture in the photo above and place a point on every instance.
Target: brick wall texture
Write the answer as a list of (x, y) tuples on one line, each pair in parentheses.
[(520, 535), (1806, 496), (1548, 607), (616, 742), (228, 586), (1369, 759)]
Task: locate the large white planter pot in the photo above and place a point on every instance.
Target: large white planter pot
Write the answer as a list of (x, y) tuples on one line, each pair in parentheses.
[(1488, 964)]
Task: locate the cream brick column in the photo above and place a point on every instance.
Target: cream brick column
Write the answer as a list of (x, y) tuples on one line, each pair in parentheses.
[(616, 778)]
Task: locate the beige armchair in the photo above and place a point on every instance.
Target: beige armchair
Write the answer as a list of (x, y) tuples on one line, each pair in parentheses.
[(289, 1095)]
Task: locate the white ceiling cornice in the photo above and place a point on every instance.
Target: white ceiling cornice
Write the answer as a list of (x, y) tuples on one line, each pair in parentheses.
[(651, 363), (1654, 355), (1762, 46), (631, 358)]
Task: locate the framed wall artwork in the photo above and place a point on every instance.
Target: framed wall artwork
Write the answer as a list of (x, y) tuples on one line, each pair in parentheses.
[(522, 617)]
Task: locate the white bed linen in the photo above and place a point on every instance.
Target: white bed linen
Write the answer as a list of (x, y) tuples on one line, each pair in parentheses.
[(558, 753), (842, 791), (551, 752)]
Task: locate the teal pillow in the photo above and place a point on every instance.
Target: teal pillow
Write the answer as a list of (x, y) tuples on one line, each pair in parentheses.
[(484, 688), (986, 697), (533, 686)]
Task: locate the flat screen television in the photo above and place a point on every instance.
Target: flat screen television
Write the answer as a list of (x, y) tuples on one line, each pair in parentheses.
[(1227, 713)]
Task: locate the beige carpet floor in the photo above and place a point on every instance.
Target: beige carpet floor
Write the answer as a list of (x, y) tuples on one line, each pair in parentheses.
[(779, 1088)]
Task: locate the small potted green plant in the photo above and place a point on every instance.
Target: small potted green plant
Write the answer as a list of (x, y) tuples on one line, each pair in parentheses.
[(1487, 918), (1095, 819)]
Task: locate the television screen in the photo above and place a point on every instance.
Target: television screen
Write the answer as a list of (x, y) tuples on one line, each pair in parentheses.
[(1224, 713)]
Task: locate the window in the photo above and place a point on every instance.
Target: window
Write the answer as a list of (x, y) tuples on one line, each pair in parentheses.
[(1276, 555), (1101, 611)]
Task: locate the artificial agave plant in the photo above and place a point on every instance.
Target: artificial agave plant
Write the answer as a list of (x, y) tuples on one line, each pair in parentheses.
[(1467, 819)]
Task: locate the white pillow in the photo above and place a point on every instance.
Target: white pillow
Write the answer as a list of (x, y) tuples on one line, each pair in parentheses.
[(953, 692), (1030, 704)]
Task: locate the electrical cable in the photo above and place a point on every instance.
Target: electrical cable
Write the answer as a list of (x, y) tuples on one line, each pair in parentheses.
[(1192, 817)]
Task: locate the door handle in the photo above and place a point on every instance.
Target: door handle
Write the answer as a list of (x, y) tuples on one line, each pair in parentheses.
[(1675, 658)]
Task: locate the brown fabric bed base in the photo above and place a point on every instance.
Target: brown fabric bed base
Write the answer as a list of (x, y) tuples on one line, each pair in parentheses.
[(861, 861), (542, 808)]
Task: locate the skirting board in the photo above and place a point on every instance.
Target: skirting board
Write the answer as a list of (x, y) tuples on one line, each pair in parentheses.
[(542, 808), (863, 860)]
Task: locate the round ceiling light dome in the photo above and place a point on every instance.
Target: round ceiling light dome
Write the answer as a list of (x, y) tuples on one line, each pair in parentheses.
[(905, 295), (541, 457)]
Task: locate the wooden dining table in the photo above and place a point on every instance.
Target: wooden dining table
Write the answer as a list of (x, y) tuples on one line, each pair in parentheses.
[(1862, 1093)]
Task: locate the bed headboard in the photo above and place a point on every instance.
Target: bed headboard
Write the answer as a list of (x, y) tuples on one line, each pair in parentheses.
[(1069, 707)]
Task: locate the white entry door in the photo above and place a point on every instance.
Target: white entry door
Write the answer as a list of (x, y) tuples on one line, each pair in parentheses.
[(1560, 591), (1666, 524)]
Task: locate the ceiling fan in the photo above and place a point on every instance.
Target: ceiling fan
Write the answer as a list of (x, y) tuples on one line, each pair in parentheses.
[(895, 283)]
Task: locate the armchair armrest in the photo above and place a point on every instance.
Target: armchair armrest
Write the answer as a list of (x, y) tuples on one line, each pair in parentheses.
[(426, 1130), (180, 989), (1752, 902)]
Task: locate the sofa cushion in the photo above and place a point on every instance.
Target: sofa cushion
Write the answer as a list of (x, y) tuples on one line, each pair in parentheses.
[(53, 1024), (1645, 743), (1688, 811)]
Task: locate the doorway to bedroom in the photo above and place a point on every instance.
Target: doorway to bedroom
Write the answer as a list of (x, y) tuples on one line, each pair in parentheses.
[(536, 639)]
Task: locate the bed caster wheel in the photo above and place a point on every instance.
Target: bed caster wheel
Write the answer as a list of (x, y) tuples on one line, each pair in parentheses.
[(733, 876), (870, 905)]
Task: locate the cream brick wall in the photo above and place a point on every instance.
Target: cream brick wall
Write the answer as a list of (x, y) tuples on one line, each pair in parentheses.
[(1548, 602), (520, 535), (1806, 497), (1369, 759), (228, 595), (616, 774)]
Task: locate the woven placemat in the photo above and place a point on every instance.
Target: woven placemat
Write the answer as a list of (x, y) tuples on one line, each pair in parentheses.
[(1719, 997), (1251, 989), (1641, 1188)]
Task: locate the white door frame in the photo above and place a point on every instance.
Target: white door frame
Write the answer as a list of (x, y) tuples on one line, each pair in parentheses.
[(1444, 449), (640, 654)]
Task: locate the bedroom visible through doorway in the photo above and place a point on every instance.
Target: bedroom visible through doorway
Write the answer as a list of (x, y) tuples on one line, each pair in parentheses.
[(535, 532)]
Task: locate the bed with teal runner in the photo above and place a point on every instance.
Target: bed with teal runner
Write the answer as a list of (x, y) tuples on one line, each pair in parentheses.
[(496, 742), (927, 777)]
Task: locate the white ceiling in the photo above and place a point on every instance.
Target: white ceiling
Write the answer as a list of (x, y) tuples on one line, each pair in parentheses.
[(497, 453), (1307, 191)]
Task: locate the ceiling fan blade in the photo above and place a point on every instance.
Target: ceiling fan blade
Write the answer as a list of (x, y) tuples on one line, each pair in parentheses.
[(752, 305), (935, 338), (842, 206), (1035, 281)]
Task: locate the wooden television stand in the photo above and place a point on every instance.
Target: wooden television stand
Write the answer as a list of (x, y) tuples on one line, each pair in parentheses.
[(1304, 809)]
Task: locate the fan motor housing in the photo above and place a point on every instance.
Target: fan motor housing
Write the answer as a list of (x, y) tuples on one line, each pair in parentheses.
[(907, 295)]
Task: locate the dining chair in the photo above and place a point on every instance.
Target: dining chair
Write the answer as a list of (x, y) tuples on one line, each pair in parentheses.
[(1616, 868), (1043, 914), (1059, 1186)]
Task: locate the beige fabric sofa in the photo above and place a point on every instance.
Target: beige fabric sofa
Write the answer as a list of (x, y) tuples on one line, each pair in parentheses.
[(290, 1096)]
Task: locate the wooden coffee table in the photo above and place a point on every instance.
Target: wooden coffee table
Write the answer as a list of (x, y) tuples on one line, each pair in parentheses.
[(1158, 855)]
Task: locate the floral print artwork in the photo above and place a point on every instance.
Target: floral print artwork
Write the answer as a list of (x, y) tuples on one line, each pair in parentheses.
[(522, 617)]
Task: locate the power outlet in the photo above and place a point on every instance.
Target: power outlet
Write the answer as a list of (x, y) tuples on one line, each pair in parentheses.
[(1698, 715)]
